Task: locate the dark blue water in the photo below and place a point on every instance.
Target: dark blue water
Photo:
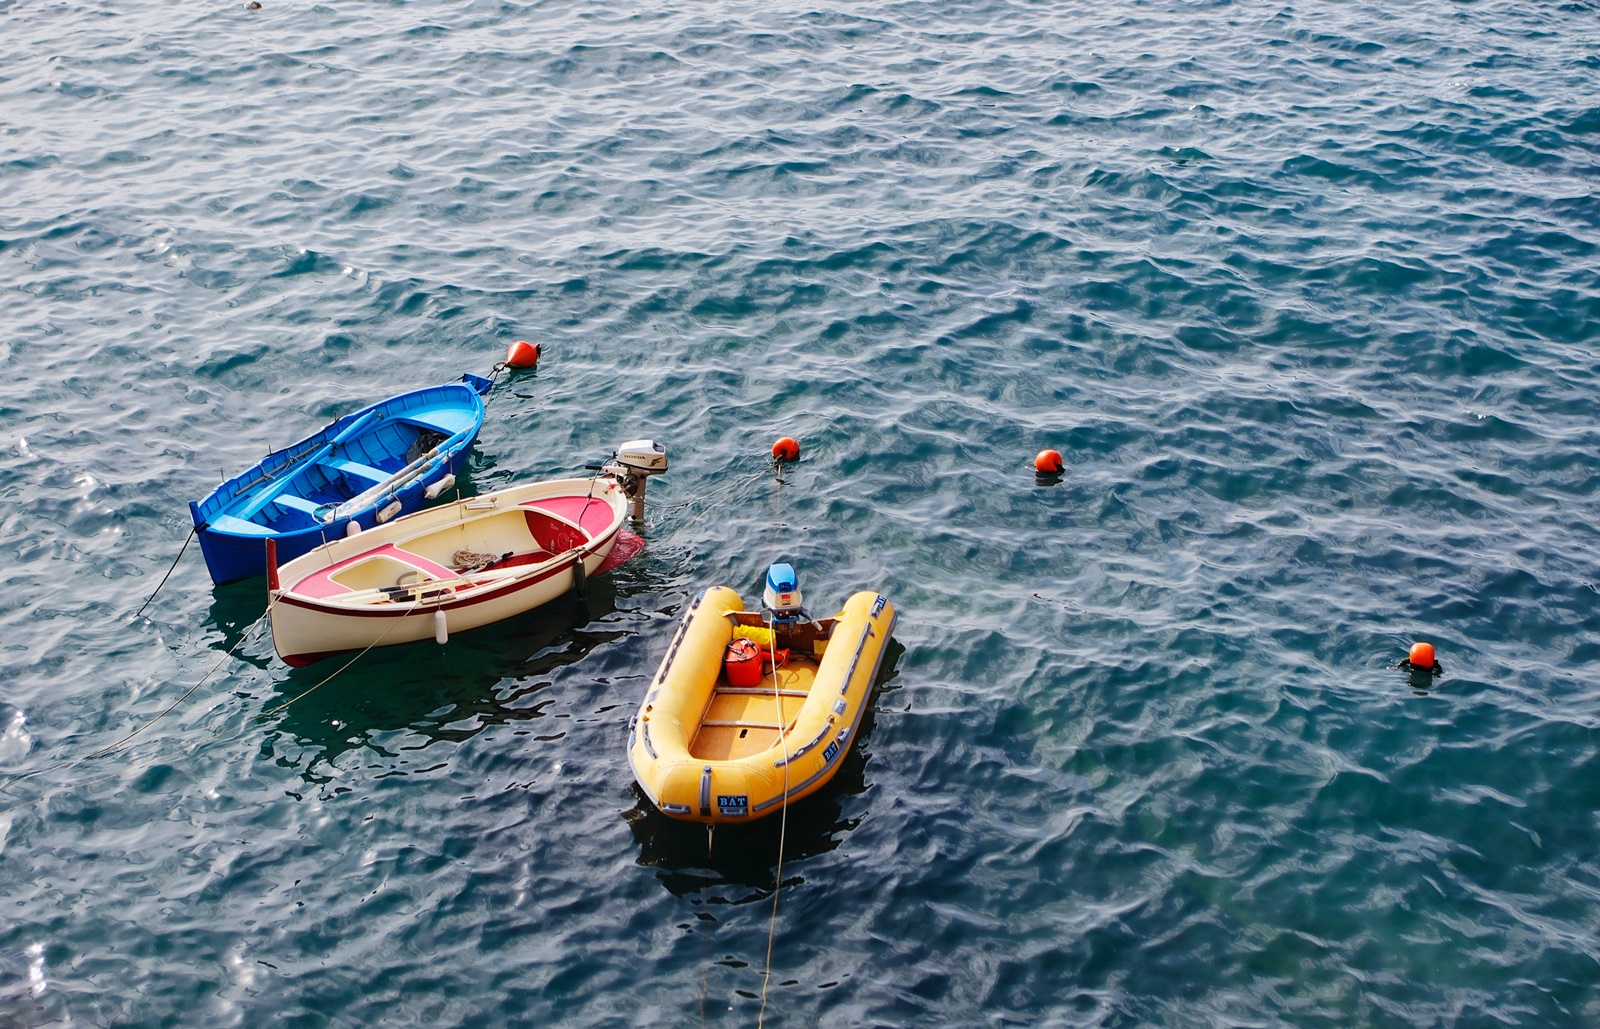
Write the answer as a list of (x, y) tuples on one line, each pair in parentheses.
[(1308, 296)]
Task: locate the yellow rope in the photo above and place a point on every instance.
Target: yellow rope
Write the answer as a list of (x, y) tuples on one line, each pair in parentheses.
[(242, 637), (341, 669)]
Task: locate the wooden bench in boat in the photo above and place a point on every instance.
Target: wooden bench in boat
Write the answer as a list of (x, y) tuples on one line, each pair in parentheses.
[(297, 503), (357, 469), (384, 566), (744, 720)]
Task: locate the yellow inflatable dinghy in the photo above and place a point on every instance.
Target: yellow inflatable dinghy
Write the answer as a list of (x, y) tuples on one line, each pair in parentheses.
[(710, 745)]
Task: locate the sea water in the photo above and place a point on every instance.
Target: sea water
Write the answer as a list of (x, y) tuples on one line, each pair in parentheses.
[(1305, 295)]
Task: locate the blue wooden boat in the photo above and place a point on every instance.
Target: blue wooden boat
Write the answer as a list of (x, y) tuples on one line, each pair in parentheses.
[(378, 463)]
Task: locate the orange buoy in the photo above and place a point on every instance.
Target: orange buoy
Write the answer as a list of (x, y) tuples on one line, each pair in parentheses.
[(1422, 655), (1049, 463), (522, 354), (786, 449)]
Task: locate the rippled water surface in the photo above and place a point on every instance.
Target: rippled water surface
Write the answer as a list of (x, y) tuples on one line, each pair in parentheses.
[(1307, 295)]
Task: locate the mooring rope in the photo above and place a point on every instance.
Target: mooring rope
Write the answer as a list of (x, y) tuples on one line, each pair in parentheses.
[(705, 956), (711, 500), (164, 578), (783, 819), (783, 738), (164, 712), (214, 737), (342, 668), (494, 375), (186, 693), (494, 380)]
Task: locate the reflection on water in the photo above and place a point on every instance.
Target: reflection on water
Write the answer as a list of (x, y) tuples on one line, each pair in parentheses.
[(25, 994), (235, 610), (479, 679), (736, 862), (1422, 680)]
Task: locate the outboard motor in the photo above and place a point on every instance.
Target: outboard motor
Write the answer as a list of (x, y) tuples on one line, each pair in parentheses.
[(632, 464), (782, 594)]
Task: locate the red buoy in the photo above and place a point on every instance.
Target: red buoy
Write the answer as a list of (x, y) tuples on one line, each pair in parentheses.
[(786, 449), (522, 354), (1422, 655), (1049, 463)]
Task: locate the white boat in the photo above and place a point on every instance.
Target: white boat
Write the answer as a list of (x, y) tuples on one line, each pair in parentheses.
[(456, 567)]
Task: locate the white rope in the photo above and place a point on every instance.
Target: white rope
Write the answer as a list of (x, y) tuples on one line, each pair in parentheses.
[(163, 713), (705, 957), (783, 817)]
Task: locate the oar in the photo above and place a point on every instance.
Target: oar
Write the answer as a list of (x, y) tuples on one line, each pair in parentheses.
[(266, 496), (394, 482)]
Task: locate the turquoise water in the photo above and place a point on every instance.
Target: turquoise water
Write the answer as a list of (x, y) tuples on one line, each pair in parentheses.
[(1306, 295)]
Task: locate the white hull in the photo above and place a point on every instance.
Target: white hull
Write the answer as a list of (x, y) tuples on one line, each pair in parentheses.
[(408, 580)]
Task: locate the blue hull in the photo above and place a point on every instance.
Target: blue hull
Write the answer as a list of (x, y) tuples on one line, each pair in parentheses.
[(353, 469)]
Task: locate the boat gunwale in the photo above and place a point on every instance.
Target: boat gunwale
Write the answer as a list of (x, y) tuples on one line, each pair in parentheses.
[(228, 492), (827, 767)]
